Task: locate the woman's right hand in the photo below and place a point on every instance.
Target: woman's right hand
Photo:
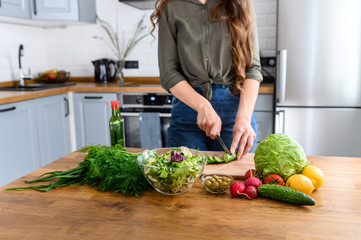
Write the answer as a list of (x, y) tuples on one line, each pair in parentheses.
[(208, 120)]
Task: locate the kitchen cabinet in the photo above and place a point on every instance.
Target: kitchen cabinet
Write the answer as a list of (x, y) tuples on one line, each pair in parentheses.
[(19, 144), (264, 115), (39, 12), (92, 112), (15, 8), (33, 134), (53, 121), (72, 10), (54, 10)]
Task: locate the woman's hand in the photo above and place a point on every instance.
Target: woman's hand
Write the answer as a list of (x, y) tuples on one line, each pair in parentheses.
[(243, 135), (208, 120)]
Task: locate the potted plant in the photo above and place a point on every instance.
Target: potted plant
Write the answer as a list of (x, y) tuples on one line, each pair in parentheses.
[(121, 49)]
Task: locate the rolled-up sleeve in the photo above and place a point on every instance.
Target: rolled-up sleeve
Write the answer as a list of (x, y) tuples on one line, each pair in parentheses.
[(168, 59), (255, 71)]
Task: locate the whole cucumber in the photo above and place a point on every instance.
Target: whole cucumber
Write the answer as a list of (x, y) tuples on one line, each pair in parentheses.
[(285, 194)]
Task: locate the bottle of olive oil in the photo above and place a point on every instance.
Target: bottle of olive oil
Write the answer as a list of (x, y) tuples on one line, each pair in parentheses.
[(116, 125)]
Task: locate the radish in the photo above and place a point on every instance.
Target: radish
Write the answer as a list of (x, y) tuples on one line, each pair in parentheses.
[(251, 192), (253, 181), (237, 189), (252, 173)]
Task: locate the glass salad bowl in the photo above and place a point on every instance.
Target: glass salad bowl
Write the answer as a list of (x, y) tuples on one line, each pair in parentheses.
[(172, 171)]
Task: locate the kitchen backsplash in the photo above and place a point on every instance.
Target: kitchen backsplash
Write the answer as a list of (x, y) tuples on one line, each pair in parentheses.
[(73, 48)]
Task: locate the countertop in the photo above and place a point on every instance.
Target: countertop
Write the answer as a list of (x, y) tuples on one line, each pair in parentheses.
[(16, 96), (82, 212)]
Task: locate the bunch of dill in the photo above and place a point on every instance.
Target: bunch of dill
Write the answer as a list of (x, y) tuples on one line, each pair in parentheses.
[(107, 169)]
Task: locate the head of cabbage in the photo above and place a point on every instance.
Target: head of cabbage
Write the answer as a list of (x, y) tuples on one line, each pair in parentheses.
[(280, 154)]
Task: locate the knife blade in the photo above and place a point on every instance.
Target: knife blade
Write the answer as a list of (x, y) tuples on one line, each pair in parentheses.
[(225, 148)]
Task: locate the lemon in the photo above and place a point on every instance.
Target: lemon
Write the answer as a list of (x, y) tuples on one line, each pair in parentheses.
[(315, 174), (300, 183)]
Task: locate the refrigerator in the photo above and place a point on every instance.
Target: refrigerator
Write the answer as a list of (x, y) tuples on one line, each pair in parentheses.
[(318, 86)]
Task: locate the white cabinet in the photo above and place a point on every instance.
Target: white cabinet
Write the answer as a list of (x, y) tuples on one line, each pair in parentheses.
[(54, 10), (15, 8), (59, 12), (92, 112), (32, 133), (70, 10), (264, 115), (53, 121), (19, 144)]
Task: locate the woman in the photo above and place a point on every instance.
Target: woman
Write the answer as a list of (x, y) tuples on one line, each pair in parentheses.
[(209, 60)]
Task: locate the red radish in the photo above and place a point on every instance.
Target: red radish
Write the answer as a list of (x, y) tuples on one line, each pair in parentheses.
[(251, 192), (237, 188), (253, 181), (252, 173)]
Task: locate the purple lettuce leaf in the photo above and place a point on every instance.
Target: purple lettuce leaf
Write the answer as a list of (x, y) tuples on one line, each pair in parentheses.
[(176, 156)]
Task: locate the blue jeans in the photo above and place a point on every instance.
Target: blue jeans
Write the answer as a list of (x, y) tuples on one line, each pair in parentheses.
[(184, 131)]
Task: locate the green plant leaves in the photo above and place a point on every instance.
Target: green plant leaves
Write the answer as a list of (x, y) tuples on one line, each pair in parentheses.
[(121, 49)]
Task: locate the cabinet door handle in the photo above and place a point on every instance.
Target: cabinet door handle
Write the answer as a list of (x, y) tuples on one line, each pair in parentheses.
[(93, 97), (7, 109), (0, 3), (67, 107), (35, 10)]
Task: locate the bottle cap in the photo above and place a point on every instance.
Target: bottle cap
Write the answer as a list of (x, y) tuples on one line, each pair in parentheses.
[(115, 104)]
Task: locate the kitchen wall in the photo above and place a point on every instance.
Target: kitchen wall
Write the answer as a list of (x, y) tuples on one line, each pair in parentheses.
[(73, 48)]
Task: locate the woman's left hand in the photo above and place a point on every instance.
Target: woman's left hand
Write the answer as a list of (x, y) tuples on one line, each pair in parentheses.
[(243, 135)]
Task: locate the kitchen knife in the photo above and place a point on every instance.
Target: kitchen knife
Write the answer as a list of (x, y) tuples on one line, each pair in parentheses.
[(225, 148)]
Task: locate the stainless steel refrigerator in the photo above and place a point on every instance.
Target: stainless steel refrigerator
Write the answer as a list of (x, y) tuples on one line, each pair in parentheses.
[(318, 88)]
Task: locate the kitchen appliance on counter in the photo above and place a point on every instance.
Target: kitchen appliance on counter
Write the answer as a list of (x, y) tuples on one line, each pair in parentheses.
[(146, 118), (105, 70), (318, 90)]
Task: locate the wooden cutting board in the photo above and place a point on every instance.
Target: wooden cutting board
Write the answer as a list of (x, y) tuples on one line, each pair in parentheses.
[(236, 168)]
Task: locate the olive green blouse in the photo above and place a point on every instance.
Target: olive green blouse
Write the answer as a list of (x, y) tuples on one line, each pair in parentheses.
[(192, 47)]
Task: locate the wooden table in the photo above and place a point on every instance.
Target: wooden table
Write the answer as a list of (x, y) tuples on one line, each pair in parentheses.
[(81, 212)]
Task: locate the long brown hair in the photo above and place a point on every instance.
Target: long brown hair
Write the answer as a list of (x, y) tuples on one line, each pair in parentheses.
[(238, 15), (154, 18)]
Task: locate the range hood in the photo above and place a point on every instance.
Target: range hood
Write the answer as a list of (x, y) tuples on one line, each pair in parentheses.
[(140, 4)]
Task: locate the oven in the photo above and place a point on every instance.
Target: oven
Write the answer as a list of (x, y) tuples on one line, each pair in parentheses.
[(146, 118)]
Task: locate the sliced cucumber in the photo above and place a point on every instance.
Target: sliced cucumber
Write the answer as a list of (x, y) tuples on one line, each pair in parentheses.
[(228, 158)]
